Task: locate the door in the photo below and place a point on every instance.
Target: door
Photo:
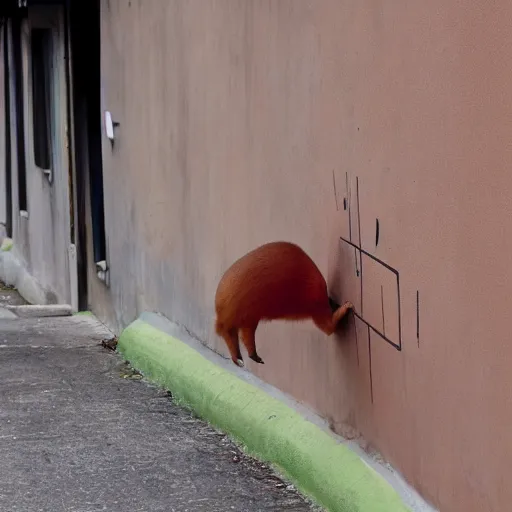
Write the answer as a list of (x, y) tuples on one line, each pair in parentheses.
[(43, 222)]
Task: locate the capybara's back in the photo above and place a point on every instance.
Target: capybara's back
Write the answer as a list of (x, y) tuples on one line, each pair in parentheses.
[(277, 280)]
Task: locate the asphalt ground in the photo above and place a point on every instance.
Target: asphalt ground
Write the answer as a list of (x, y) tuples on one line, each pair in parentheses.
[(81, 431)]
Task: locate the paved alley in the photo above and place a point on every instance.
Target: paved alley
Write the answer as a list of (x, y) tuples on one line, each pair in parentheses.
[(79, 431)]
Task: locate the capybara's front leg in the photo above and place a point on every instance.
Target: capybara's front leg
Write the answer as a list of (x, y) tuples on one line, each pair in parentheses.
[(341, 312), (327, 321)]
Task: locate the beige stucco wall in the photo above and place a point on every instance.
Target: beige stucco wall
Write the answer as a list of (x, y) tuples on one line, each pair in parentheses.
[(234, 116)]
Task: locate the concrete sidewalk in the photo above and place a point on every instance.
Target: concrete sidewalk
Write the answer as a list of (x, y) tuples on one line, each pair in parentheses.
[(79, 431)]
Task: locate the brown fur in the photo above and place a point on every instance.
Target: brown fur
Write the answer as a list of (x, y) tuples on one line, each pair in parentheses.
[(277, 280)]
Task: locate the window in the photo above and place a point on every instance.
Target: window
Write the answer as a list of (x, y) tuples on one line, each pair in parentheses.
[(19, 114), (7, 105), (41, 53)]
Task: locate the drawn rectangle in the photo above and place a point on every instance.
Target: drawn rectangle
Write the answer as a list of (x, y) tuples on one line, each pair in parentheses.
[(383, 283)]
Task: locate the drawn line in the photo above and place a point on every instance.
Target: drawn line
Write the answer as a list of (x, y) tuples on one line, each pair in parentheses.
[(359, 229), (335, 192), (370, 360), (399, 310), (382, 306), (349, 208), (377, 232), (358, 210), (349, 195), (357, 342), (376, 331), (374, 258), (418, 316)]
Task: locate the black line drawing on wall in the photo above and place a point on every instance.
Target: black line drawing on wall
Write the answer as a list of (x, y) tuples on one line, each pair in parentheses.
[(358, 247), (359, 314), (382, 308), (335, 191), (361, 255), (370, 362), (349, 207), (418, 317)]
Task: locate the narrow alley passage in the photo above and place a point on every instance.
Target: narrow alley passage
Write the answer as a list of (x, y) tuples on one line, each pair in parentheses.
[(80, 431)]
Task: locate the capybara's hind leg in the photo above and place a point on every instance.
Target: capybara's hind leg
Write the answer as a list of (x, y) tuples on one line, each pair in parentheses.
[(327, 322), (231, 339), (249, 340)]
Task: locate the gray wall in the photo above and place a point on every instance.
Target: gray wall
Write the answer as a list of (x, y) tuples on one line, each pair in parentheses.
[(42, 240)]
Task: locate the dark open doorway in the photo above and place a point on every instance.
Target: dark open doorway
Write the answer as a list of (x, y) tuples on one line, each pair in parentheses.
[(84, 36)]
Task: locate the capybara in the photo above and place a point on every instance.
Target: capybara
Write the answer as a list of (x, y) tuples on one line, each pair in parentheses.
[(277, 280)]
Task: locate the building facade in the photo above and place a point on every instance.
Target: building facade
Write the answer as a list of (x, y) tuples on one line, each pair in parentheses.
[(183, 134)]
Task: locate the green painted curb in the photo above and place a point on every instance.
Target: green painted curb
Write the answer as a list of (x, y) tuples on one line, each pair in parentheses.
[(320, 467)]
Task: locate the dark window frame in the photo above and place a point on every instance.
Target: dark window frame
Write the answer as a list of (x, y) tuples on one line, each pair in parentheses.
[(7, 118), (41, 57), (19, 113)]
